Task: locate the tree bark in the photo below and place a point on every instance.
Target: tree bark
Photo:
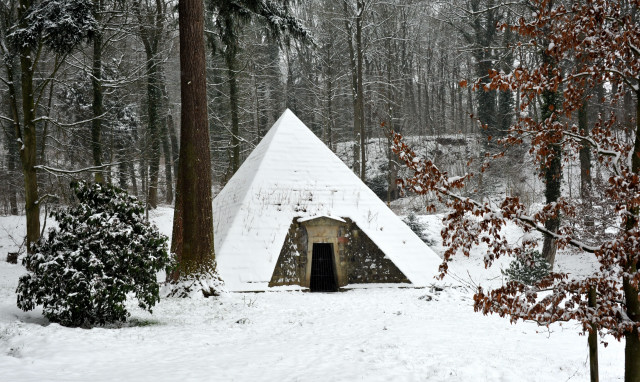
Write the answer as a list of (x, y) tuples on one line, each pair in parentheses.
[(359, 107), (153, 110), (193, 217), (174, 144), (27, 137), (97, 106), (151, 35), (354, 90), (593, 339), (134, 181), (553, 166), (11, 187), (585, 167), (631, 295), (230, 58), (12, 133), (168, 161)]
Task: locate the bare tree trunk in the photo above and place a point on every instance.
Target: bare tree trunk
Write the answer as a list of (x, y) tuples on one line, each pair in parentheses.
[(585, 168), (12, 148), (359, 108), (150, 30), (593, 339), (97, 107), (153, 110), (168, 161), (354, 90), (552, 170), (193, 218), (134, 179), (230, 57), (11, 187), (27, 136), (631, 295), (122, 168)]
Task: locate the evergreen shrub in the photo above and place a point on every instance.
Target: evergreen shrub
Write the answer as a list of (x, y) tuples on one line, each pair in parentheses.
[(528, 270), (102, 250)]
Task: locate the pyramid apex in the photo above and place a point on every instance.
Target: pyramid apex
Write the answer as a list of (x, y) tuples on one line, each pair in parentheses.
[(287, 114)]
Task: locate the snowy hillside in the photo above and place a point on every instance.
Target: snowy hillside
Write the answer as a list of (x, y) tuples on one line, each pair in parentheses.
[(377, 334)]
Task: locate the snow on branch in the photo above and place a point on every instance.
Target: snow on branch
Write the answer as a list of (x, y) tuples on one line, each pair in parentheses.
[(63, 172)]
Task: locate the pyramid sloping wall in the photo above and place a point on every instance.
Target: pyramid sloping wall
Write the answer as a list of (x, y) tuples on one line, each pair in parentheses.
[(291, 173)]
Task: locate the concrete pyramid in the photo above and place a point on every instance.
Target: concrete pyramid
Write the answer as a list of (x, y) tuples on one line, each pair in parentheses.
[(291, 173)]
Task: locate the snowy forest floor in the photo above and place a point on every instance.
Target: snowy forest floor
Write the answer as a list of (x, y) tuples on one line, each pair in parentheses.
[(377, 334)]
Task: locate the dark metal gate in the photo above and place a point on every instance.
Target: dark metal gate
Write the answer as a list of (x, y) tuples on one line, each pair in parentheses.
[(323, 277)]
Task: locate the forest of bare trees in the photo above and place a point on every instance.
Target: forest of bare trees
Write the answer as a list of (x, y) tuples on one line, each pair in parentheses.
[(106, 105)]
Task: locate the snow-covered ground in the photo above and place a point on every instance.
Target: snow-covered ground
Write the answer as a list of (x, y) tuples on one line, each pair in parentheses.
[(378, 334)]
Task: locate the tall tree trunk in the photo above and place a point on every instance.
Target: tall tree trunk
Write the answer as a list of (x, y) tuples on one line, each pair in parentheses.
[(97, 107), (230, 57), (28, 136), (134, 178), (193, 217), (11, 167), (154, 98), (585, 167), (174, 144), (593, 339), (168, 161), (12, 151), (122, 167), (553, 168), (359, 108), (585, 195), (631, 295), (354, 90)]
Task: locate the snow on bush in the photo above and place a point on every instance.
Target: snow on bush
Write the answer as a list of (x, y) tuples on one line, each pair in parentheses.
[(528, 270), (82, 271), (418, 228), (60, 24)]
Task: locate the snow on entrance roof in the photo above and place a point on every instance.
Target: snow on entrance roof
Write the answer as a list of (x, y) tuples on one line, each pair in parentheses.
[(291, 173)]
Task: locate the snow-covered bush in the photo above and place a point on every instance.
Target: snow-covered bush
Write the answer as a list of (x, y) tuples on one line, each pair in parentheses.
[(528, 270), (378, 184), (102, 250), (417, 227)]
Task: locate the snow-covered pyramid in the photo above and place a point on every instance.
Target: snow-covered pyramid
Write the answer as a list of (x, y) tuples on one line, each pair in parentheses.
[(292, 174)]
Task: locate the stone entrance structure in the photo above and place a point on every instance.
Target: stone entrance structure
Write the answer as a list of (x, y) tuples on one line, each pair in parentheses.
[(356, 258)]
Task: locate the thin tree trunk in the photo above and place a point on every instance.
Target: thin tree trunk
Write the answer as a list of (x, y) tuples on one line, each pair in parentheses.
[(585, 167), (134, 179), (28, 136), (97, 107), (552, 170), (175, 150), (329, 116), (230, 58), (354, 90), (11, 187), (12, 152), (593, 339), (122, 168), (153, 110), (359, 109), (168, 161)]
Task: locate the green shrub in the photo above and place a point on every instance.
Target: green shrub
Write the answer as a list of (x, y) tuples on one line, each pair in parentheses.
[(378, 184), (528, 270), (418, 228), (102, 250)]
